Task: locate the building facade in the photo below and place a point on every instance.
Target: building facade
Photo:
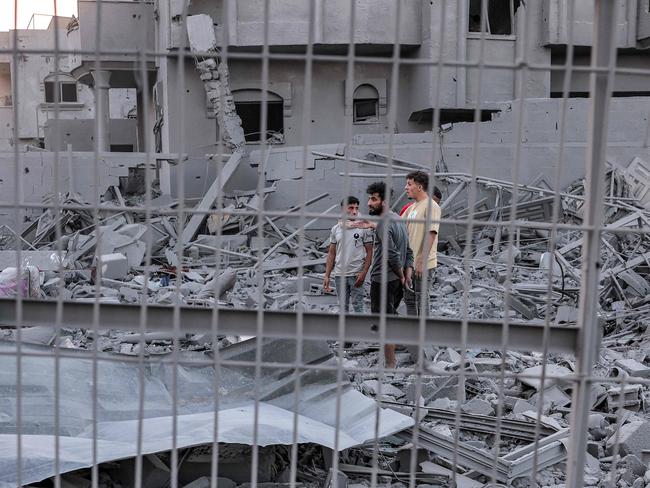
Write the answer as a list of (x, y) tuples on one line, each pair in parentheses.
[(53, 107), (144, 44), (130, 65)]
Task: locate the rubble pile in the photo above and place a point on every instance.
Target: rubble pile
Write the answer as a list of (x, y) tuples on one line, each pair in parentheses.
[(485, 414), (102, 257)]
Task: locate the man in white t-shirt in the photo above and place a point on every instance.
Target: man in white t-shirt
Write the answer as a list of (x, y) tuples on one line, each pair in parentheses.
[(348, 259)]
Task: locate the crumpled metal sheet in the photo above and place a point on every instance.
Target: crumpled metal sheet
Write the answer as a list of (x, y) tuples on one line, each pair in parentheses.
[(118, 400)]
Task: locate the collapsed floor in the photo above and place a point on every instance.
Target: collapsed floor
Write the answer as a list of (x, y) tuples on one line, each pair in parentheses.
[(503, 271)]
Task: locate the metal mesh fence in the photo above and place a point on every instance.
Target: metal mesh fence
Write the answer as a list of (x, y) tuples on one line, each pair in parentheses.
[(166, 329)]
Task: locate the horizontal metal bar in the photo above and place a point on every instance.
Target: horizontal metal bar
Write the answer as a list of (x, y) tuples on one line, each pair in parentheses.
[(151, 54), (524, 224), (400, 330)]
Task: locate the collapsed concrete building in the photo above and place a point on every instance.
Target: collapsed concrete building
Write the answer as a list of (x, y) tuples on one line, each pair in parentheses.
[(144, 194)]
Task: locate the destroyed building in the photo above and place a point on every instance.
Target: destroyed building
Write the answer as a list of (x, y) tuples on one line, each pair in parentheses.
[(170, 171)]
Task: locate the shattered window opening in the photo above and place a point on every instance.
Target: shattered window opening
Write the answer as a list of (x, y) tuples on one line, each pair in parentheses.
[(121, 147), (499, 18), (5, 85), (366, 105), (251, 113), (248, 104), (65, 92), (365, 111)]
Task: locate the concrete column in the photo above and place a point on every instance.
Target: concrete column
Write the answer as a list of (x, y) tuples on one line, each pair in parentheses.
[(231, 19), (319, 20), (102, 112), (142, 147), (462, 19)]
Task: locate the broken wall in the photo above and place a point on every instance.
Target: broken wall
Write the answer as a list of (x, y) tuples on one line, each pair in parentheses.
[(81, 134), (539, 153), (186, 101), (197, 174), (36, 180)]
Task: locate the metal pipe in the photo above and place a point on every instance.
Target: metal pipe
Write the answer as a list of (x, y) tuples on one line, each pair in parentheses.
[(603, 55)]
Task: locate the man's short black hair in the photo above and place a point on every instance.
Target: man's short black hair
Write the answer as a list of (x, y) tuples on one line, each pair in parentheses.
[(420, 177), (437, 193), (349, 201), (378, 187)]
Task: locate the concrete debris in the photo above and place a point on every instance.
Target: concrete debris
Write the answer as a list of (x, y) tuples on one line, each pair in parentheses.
[(113, 266), (631, 438), (533, 375), (478, 406), (215, 76), (197, 385), (492, 405), (633, 367), (114, 254)]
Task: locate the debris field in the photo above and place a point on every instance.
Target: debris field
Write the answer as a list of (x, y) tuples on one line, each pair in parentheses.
[(467, 416)]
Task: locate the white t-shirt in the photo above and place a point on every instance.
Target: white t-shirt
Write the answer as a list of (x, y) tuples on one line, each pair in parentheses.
[(350, 251)]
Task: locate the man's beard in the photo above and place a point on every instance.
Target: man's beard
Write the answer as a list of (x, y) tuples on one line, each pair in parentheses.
[(374, 211)]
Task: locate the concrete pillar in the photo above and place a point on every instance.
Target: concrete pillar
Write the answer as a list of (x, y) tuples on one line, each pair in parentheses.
[(319, 20), (140, 107), (462, 16), (102, 112)]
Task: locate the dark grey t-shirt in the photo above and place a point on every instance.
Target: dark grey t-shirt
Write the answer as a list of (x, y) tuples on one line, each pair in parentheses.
[(399, 253)]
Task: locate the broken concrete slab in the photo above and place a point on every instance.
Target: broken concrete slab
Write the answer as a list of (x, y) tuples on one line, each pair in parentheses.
[(633, 368), (637, 284), (633, 438), (386, 388), (114, 266), (522, 406), (32, 335), (518, 304), (535, 373), (512, 254), (211, 195), (627, 396), (552, 396), (134, 252), (566, 315), (633, 468), (483, 365), (478, 407), (220, 284), (201, 33)]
